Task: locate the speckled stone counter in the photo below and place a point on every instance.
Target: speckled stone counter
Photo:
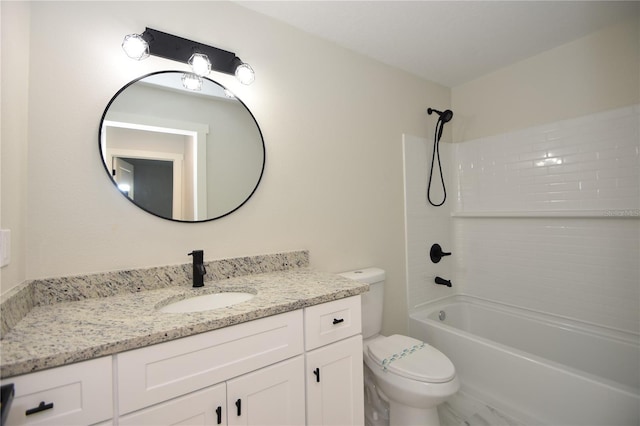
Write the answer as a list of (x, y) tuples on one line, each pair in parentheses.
[(61, 333)]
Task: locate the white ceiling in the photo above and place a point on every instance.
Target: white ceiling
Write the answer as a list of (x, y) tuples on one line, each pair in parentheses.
[(448, 42)]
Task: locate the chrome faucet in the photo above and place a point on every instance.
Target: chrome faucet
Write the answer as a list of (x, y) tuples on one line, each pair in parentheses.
[(198, 267)]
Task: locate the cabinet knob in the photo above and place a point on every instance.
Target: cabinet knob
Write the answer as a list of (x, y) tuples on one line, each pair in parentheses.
[(239, 406), (219, 414), (338, 320), (317, 373)]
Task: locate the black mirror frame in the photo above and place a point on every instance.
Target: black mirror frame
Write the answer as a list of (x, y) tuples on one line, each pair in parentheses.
[(264, 153)]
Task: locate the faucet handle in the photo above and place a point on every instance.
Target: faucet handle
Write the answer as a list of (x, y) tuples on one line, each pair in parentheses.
[(436, 253), (201, 269)]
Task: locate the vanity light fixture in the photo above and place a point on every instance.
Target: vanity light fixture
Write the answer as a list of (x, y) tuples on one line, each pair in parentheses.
[(201, 57)]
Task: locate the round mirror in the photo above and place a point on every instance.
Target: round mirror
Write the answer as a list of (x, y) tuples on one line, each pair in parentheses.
[(181, 154)]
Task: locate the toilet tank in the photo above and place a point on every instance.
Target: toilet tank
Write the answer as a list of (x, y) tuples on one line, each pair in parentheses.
[(372, 301)]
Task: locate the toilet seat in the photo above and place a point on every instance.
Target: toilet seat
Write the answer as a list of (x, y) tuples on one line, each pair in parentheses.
[(411, 358)]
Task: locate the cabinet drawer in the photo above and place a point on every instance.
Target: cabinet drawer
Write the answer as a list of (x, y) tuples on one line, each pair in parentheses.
[(76, 394), (332, 321), (160, 372)]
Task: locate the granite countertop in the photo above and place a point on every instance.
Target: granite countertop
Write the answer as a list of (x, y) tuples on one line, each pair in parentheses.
[(67, 332)]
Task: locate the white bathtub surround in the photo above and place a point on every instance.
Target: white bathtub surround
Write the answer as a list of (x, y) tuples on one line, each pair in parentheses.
[(426, 225), (545, 219), (584, 164), (548, 218), (547, 368), (585, 269)]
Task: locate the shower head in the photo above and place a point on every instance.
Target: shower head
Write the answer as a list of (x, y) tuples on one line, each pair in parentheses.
[(445, 116)]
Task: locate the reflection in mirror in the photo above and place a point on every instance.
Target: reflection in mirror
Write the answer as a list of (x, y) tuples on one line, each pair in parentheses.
[(183, 155)]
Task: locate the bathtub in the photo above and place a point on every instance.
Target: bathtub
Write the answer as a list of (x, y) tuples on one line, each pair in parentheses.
[(550, 370)]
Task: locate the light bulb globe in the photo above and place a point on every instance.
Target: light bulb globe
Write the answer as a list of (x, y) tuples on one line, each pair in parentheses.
[(200, 64), (135, 47), (192, 81), (245, 74)]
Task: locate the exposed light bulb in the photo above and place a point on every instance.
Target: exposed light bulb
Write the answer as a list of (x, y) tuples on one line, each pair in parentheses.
[(245, 74), (135, 47), (200, 64), (191, 81)]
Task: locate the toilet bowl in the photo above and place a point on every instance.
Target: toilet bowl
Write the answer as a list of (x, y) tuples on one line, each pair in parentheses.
[(413, 385), (411, 376)]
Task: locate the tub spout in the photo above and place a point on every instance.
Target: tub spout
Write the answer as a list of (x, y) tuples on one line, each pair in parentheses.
[(442, 281)]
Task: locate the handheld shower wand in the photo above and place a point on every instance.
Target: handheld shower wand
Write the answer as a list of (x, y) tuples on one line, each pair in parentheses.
[(443, 117)]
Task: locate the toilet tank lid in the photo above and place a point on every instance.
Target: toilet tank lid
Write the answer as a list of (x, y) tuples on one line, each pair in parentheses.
[(367, 275)]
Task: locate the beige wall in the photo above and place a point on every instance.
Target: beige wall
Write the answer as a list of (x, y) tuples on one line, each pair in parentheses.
[(592, 74), (14, 123), (332, 122)]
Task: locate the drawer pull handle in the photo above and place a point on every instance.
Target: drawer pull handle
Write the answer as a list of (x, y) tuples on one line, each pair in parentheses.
[(317, 373), (239, 406), (42, 407), (337, 321), (219, 414)]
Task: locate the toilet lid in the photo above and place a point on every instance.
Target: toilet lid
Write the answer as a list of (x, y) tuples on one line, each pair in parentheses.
[(411, 358)]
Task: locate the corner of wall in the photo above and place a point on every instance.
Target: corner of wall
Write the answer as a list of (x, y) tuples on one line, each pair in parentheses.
[(596, 73), (15, 41)]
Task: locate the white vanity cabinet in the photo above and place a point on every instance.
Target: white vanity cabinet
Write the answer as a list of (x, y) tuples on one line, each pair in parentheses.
[(334, 376), (272, 395), (259, 372), (76, 394), (158, 373), (244, 361)]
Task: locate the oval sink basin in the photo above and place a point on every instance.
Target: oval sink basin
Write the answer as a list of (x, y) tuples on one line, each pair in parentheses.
[(206, 302)]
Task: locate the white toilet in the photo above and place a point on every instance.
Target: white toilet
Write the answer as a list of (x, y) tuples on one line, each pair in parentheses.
[(410, 375)]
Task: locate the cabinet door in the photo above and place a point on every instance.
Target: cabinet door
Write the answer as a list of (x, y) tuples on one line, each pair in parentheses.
[(335, 386), (205, 407), (270, 396)]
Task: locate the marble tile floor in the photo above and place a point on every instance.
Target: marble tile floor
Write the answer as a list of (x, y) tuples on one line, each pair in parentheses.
[(463, 409), (460, 410)]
